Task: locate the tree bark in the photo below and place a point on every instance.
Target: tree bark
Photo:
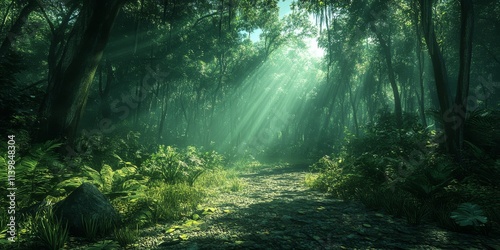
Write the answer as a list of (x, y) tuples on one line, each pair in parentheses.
[(386, 53), (420, 62), (68, 91), (466, 34), (453, 116)]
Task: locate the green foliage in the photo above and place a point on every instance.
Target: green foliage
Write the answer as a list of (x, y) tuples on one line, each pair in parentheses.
[(371, 199), (344, 179), (400, 171), (385, 139), (172, 201), (49, 231), (236, 185), (378, 170), (94, 228), (481, 134), (310, 180), (97, 148), (415, 211), (126, 236), (220, 180), (468, 214), (393, 202), (174, 166), (428, 180), (441, 214), (90, 228), (37, 172), (124, 182)]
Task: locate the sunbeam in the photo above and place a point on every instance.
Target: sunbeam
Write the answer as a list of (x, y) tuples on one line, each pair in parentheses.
[(269, 99)]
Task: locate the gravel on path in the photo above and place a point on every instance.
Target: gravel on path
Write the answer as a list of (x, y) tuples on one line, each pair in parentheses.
[(277, 211)]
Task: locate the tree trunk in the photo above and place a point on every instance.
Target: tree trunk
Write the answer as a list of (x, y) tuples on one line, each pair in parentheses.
[(164, 108), (386, 53), (354, 110), (453, 116), (420, 62), (466, 32), (68, 91), (15, 30)]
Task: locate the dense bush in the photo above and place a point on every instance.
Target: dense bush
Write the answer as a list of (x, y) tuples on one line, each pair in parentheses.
[(171, 165), (97, 148), (401, 171), (381, 158), (167, 186)]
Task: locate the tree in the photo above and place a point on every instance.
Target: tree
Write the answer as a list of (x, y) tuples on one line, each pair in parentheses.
[(70, 83), (453, 115), (15, 29)]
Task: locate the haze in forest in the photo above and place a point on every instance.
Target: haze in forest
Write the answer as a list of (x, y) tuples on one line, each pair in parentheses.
[(158, 108)]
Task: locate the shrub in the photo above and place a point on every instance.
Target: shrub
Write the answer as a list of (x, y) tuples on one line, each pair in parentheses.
[(173, 166), (97, 149), (344, 178)]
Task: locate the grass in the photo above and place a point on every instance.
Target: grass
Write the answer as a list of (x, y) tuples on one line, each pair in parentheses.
[(415, 212), (94, 228), (90, 228), (220, 180), (247, 166), (49, 231), (171, 202), (126, 236)]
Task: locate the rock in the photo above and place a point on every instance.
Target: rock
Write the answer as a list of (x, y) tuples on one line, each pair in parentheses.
[(85, 202)]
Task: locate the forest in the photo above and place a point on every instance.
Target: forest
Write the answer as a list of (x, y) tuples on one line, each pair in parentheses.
[(250, 124)]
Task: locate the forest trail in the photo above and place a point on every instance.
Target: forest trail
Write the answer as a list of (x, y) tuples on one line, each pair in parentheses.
[(276, 211)]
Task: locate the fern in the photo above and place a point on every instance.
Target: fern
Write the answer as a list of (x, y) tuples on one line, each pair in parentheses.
[(36, 172)]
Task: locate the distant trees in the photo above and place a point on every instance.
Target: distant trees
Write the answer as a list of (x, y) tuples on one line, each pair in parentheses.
[(389, 24), (177, 70)]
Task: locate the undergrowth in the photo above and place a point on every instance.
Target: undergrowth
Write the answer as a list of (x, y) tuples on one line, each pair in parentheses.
[(403, 172), (166, 185)]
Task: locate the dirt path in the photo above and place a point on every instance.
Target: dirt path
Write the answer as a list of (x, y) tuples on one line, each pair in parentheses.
[(276, 211)]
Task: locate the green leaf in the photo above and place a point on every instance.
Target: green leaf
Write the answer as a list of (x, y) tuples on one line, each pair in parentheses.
[(107, 178), (468, 214)]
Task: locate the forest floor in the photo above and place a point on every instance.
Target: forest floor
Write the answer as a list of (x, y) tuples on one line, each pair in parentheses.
[(275, 210)]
